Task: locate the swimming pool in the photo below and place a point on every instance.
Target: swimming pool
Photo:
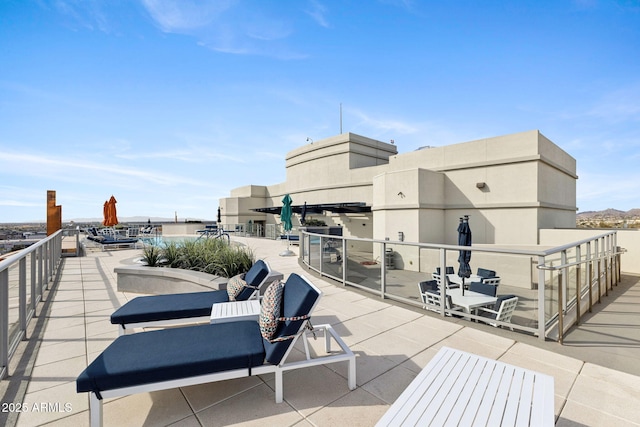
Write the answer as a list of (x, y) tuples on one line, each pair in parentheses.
[(164, 240)]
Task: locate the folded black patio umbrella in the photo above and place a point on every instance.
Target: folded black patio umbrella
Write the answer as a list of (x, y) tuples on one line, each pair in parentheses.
[(464, 239)]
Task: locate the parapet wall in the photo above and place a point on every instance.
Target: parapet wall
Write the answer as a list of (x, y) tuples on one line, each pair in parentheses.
[(628, 239), (161, 280)]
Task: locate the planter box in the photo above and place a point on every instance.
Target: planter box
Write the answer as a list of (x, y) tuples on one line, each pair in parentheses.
[(161, 280)]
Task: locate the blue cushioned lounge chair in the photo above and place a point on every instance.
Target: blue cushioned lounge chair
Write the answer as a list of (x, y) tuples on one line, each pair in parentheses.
[(178, 357), (110, 240), (184, 308)]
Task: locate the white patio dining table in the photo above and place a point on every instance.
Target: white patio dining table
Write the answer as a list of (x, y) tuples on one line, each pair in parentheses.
[(470, 300)]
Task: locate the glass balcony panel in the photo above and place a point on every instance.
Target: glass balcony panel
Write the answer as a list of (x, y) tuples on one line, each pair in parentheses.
[(363, 266), (14, 301), (332, 257)]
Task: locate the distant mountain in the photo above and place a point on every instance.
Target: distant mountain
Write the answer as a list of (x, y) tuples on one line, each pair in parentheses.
[(137, 219), (609, 213)]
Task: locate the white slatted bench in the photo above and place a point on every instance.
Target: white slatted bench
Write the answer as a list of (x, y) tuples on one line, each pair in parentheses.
[(234, 311), (458, 388)]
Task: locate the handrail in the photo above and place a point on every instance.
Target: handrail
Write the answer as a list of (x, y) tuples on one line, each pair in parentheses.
[(601, 258), (45, 258), (435, 245)]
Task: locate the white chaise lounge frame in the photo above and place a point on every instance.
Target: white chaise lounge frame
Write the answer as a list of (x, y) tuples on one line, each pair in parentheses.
[(96, 404)]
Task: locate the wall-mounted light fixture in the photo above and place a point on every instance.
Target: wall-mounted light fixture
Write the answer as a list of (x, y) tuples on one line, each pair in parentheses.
[(481, 184), (400, 236)]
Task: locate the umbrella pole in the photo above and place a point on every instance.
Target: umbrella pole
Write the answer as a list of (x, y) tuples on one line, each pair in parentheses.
[(288, 252)]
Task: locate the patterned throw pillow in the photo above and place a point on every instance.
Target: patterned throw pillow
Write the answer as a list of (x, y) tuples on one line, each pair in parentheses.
[(270, 309), (235, 286)]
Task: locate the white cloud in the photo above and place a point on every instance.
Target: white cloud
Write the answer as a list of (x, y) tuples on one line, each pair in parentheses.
[(380, 124), (620, 105), (88, 14), (318, 12), (228, 26), (19, 203), (185, 16), (70, 169)]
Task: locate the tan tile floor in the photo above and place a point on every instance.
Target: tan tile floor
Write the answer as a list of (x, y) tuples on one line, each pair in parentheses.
[(392, 344)]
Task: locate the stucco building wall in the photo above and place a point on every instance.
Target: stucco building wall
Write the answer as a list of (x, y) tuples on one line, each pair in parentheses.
[(511, 186)]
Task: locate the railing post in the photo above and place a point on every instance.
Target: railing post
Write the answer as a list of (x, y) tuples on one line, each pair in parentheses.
[(321, 254), (34, 292), (383, 271), (443, 281), (589, 275), (46, 253), (607, 265), (22, 295), (617, 257), (40, 273), (344, 262), (610, 257), (578, 287), (603, 255), (561, 281), (542, 321), (565, 279), (598, 271), (4, 322)]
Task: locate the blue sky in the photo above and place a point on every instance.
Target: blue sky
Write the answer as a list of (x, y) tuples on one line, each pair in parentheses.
[(170, 104)]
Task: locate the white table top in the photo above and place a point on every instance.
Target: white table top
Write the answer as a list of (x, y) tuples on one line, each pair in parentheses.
[(235, 310), (470, 299), (460, 388)]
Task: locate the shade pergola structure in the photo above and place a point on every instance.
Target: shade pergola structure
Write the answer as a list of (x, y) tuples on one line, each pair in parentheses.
[(351, 207)]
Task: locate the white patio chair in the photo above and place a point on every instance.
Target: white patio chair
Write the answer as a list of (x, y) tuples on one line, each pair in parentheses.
[(491, 281), (431, 298), (504, 313), (437, 277)]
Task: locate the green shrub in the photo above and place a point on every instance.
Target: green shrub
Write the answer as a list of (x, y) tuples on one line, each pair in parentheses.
[(213, 256), (171, 254), (151, 255), (314, 223)]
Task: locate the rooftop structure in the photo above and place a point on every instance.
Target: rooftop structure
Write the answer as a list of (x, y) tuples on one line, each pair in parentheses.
[(511, 187)]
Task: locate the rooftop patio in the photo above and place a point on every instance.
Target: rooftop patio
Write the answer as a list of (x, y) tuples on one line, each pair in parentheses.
[(596, 371)]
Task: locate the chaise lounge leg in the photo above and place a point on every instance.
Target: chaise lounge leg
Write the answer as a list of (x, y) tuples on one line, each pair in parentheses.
[(95, 410), (327, 341), (278, 375), (352, 373)]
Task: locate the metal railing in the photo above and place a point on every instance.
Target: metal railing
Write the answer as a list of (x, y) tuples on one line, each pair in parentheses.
[(24, 276), (555, 286)]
